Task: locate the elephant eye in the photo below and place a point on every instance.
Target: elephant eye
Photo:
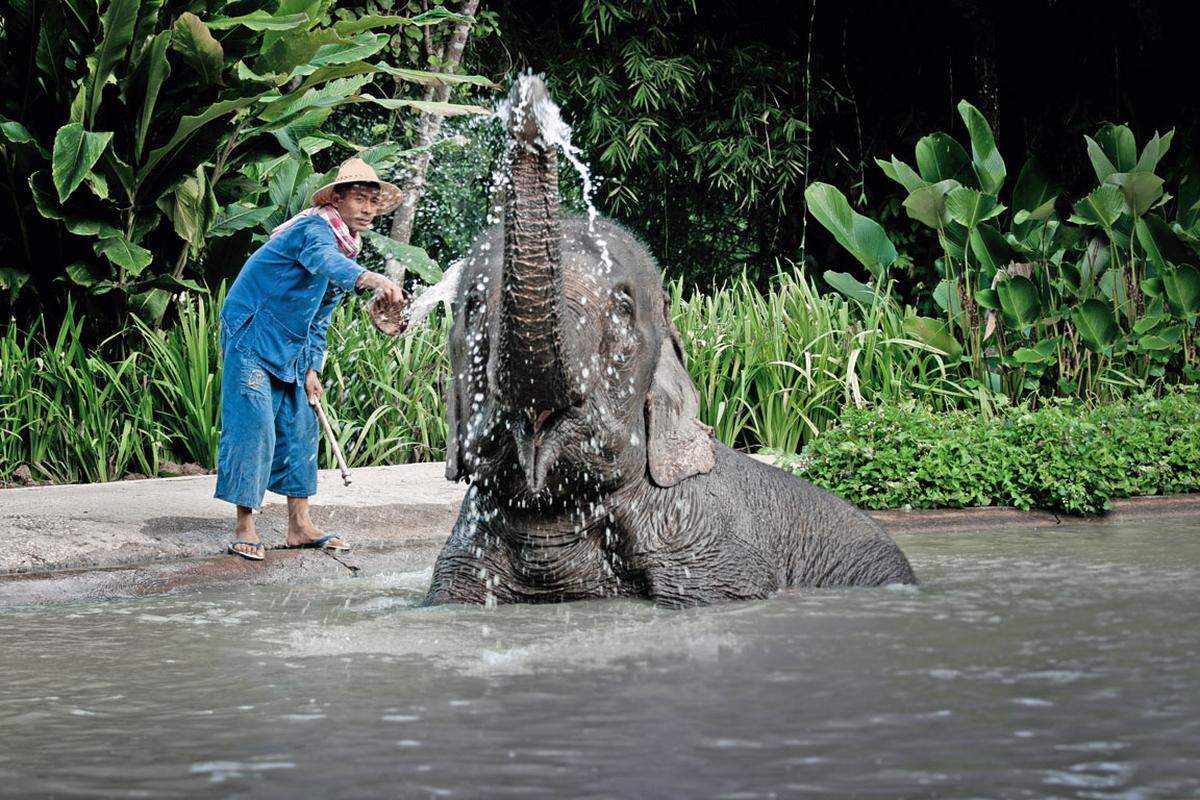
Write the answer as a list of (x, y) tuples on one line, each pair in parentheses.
[(622, 305)]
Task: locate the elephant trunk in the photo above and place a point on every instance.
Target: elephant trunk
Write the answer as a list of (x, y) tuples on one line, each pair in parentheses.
[(532, 372)]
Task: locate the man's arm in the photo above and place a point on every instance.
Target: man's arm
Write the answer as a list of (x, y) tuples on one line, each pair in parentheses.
[(319, 254)]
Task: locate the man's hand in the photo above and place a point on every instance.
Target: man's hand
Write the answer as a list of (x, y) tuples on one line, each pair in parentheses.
[(388, 289), (312, 385)]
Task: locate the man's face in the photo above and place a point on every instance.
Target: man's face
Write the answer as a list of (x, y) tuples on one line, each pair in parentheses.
[(358, 205)]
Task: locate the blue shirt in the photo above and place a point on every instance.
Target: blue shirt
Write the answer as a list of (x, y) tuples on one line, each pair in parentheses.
[(279, 307)]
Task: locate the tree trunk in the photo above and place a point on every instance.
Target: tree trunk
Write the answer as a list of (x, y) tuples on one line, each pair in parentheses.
[(428, 127)]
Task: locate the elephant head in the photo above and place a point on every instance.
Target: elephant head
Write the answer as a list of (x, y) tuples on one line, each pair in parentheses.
[(568, 375)]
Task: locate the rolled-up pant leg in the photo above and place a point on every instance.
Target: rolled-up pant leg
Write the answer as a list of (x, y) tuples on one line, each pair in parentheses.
[(244, 456)]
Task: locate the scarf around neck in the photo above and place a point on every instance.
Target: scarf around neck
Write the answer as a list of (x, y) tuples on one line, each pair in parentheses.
[(349, 243)]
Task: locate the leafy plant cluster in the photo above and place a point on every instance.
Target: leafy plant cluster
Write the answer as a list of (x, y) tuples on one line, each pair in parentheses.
[(135, 132), (1102, 302), (73, 413), (1061, 457)]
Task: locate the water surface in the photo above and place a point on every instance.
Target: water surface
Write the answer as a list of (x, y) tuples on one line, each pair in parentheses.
[(1049, 664)]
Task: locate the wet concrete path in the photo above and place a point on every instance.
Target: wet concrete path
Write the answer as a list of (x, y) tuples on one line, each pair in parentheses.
[(133, 538)]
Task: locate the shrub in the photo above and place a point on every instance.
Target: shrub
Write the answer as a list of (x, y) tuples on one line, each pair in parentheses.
[(1061, 457)]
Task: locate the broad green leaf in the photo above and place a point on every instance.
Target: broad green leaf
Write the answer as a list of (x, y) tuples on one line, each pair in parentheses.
[(990, 250), (901, 173), (90, 227), (1147, 323), (1102, 207), (118, 23), (331, 94), (413, 259), (1140, 189), (157, 68), (1155, 149), (1101, 164), (850, 287), (239, 217), (306, 125), (1182, 288), (1153, 287), (425, 78), (927, 203), (44, 198), (192, 39), (988, 298), (1163, 340), (1118, 146), (83, 273), (190, 124), (425, 107), (945, 294), (438, 15), (863, 238), (969, 207), (369, 22), (1113, 286), (1163, 248), (985, 158), (147, 20), (76, 151), (15, 132), (126, 255), (1070, 278), (167, 283), (112, 165), (283, 188), (1094, 322), (940, 158), (191, 208), (1019, 301), (260, 20), (357, 49), (1041, 353), (933, 333), (1033, 196)]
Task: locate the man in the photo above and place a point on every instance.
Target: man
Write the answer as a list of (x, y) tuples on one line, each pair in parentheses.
[(273, 327)]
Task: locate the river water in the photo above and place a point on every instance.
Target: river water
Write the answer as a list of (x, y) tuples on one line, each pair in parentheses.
[(1053, 664)]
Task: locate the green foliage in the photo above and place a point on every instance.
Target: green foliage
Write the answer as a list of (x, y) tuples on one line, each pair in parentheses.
[(1061, 457), (142, 126), (702, 142), (149, 396), (1091, 307)]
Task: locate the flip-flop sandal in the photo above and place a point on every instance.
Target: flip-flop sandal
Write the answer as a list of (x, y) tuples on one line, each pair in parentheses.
[(248, 556), (323, 544)]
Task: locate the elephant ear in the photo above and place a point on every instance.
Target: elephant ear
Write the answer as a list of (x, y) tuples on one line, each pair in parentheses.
[(678, 444)]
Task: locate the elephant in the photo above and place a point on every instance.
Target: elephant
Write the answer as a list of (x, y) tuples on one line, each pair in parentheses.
[(571, 415)]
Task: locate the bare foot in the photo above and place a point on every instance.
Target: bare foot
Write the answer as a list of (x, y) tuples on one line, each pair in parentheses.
[(301, 530), (245, 533), (244, 536), (299, 536)]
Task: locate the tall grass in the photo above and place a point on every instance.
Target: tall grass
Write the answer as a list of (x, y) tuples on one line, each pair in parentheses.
[(773, 370)]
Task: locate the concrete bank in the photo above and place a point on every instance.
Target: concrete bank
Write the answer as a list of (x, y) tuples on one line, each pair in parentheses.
[(135, 538)]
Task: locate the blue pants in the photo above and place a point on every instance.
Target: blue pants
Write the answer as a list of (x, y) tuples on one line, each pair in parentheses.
[(268, 434)]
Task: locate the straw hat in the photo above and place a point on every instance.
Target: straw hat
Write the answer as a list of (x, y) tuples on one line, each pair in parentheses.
[(355, 170)]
